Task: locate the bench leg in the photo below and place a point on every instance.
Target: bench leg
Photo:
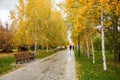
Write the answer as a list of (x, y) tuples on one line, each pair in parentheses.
[(27, 59), (16, 61)]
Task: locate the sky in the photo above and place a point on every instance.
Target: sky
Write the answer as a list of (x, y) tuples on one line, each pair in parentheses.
[(7, 5)]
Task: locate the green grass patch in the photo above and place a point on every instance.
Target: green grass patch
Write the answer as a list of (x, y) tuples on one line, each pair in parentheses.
[(86, 70), (5, 64), (43, 54)]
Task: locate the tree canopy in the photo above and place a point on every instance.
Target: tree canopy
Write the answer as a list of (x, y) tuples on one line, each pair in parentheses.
[(37, 19)]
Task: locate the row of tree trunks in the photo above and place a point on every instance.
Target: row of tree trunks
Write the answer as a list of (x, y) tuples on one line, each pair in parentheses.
[(115, 38)]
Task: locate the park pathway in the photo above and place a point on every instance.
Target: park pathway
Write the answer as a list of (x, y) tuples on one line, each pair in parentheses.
[(60, 66)]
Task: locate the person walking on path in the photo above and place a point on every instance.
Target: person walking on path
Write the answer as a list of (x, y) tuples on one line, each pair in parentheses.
[(70, 47), (73, 48)]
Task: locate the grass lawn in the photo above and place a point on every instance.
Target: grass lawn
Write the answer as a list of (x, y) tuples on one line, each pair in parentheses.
[(86, 70), (5, 64), (43, 54), (6, 60)]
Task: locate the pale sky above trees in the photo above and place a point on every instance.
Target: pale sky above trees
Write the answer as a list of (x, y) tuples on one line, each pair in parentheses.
[(7, 5)]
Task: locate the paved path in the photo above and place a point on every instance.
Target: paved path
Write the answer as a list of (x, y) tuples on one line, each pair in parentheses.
[(60, 66)]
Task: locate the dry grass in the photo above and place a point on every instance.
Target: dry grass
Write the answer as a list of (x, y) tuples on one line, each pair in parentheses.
[(6, 55)]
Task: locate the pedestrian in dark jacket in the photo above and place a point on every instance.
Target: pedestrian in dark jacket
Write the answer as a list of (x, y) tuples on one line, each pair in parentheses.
[(73, 48), (70, 47)]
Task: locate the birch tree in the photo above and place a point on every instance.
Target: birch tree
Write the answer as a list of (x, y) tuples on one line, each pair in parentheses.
[(38, 23)]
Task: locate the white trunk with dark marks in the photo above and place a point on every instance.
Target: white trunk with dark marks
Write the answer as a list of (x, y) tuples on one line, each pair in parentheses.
[(88, 54), (47, 48), (93, 51), (103, 46)]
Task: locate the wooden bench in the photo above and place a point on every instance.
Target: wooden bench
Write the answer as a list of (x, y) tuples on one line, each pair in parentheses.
[(24, 56)]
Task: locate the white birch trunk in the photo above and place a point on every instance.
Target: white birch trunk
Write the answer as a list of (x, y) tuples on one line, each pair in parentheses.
[(35, 35), (93, 51), (88, 54), (35, 47), (103, 46), (35, 42), (42, 49), (47, 48)]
